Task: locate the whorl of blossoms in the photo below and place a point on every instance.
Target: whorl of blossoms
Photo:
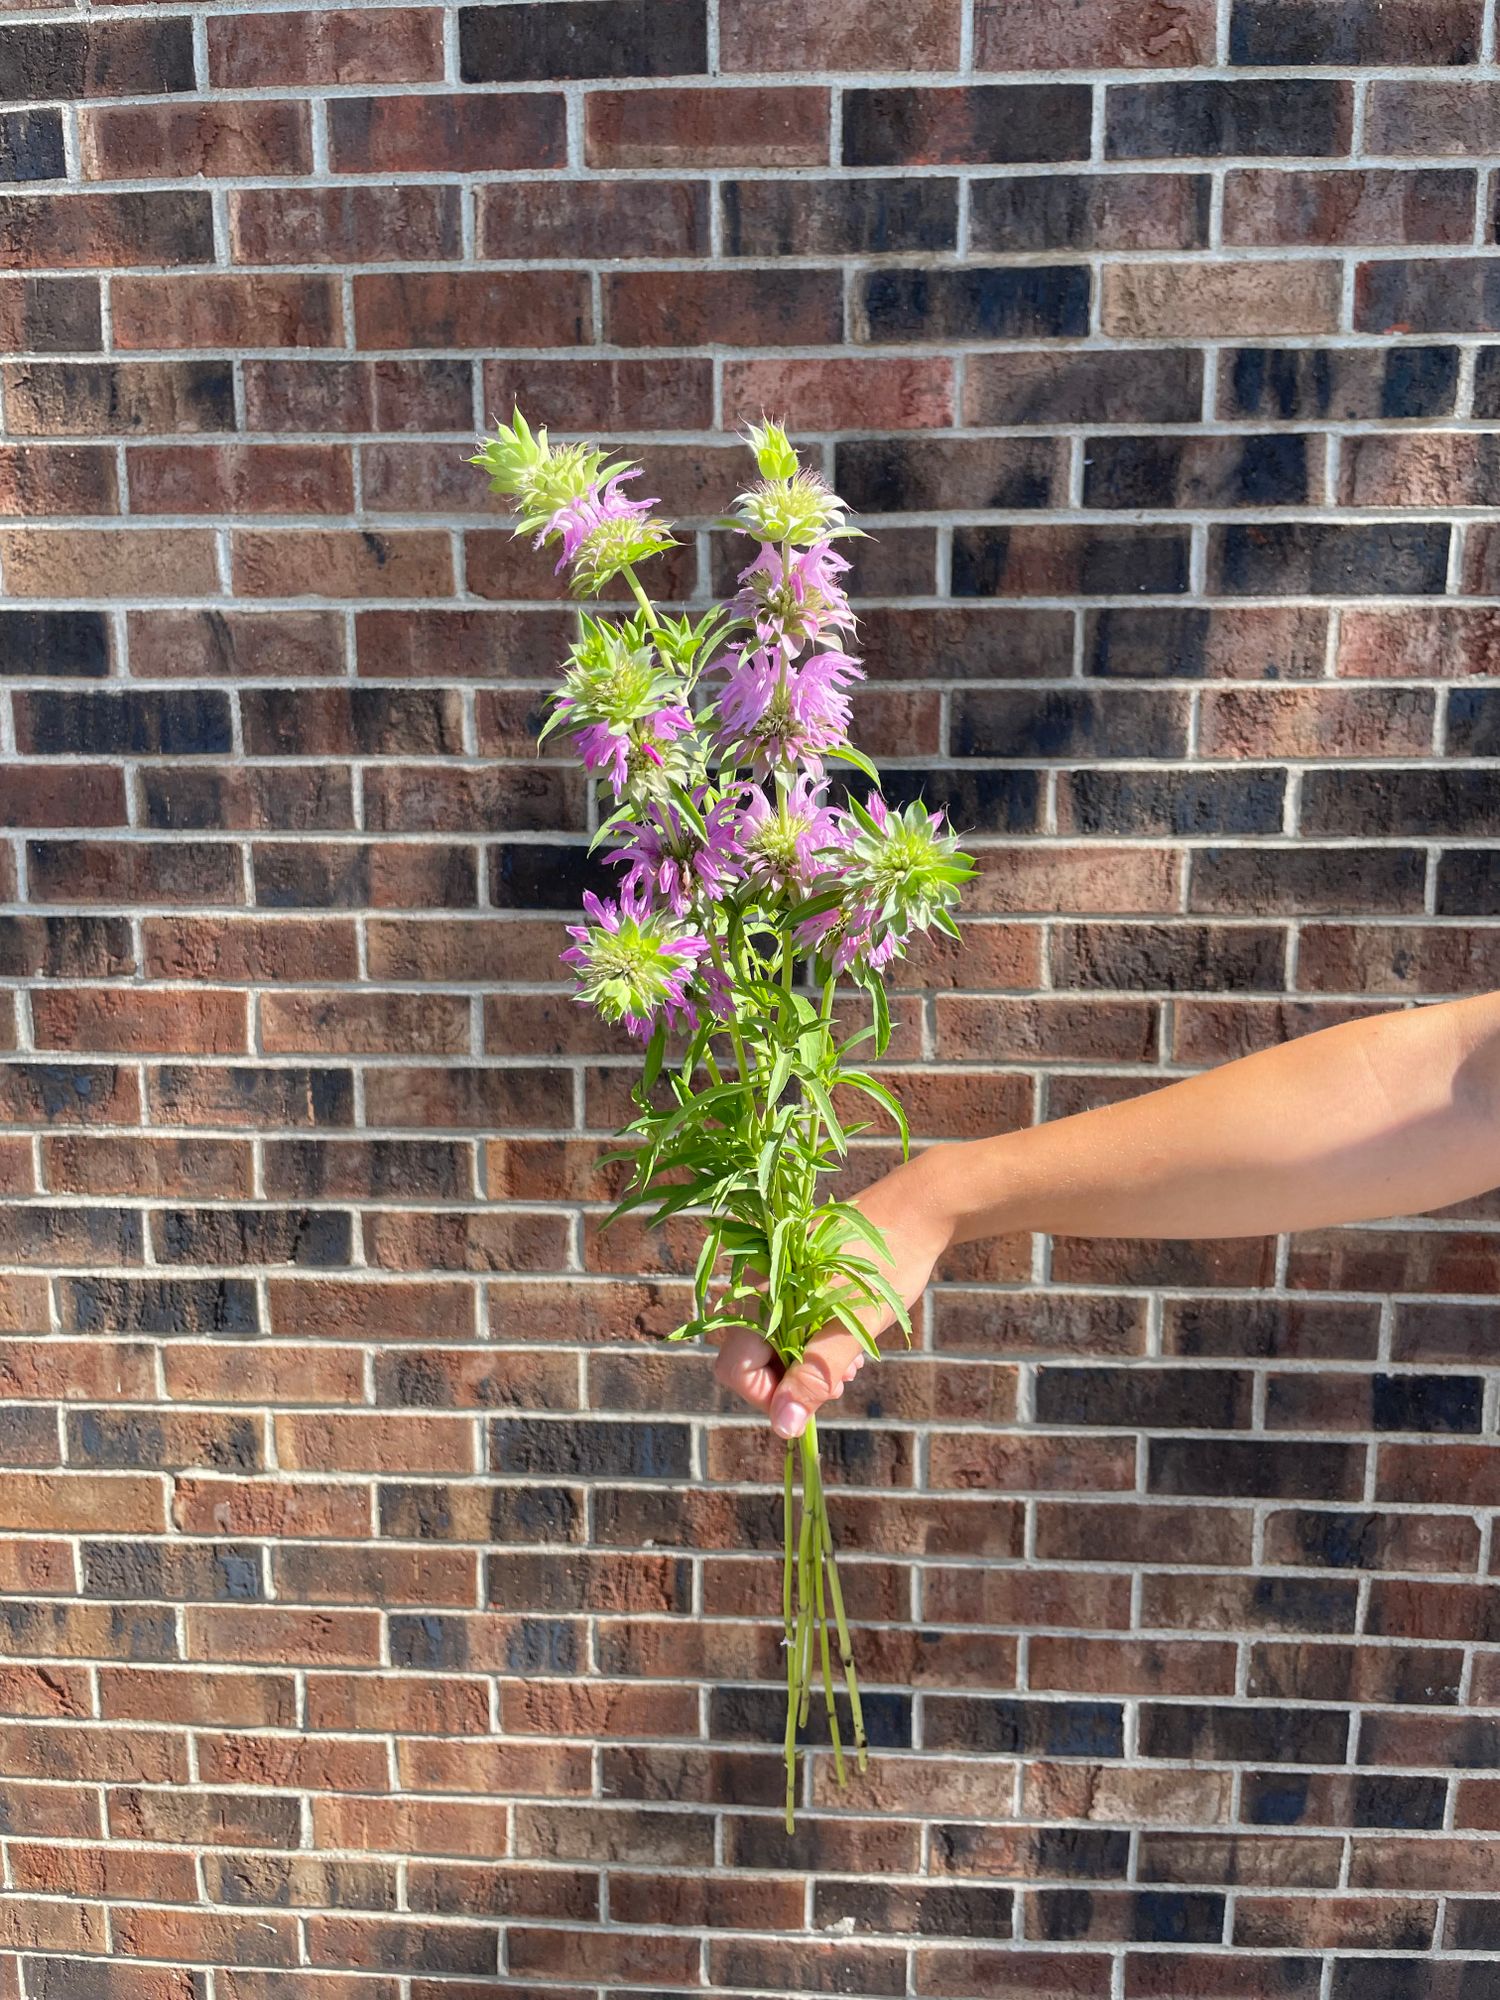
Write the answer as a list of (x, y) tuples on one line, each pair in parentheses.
[(634, 963)]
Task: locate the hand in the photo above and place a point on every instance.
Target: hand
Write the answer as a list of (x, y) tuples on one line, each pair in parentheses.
[(916, 1233)]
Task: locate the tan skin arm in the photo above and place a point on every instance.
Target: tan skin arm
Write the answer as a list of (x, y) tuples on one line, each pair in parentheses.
[(1395, 1114)]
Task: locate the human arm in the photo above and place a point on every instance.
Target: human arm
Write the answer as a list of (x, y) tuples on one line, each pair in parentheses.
[(1397, 1113)]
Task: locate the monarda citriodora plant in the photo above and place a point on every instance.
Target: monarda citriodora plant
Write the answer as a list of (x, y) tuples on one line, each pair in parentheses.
[(748, 889)]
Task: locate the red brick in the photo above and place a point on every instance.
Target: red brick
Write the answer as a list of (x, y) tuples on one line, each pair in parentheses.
[(227, 310), (1306, 722), (358, 225), (1322, 205), (771, 125), (93, 231), (891, 392), (1173, 301), (471, 132), (89, 562), (463, 308), (814, 35), (240, 479), (143, 1022), (341, 563), (57, 479), (336, 45), (686, 308), (606, 219), (218, 141), (1166, 34), (280, 1636)]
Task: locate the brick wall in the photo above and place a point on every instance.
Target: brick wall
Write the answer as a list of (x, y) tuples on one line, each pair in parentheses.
[(384, 1615)]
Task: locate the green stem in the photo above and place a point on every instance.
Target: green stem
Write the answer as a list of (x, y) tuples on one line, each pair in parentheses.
[(846, 1648), (641, 598), (793, 1635), (810, 1477)]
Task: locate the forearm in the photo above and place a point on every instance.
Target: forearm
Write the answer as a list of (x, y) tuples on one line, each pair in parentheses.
[(1395, 1114)]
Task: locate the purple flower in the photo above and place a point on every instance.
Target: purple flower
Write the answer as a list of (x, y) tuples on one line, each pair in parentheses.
[(633, 963), (846, 937), (772, 713), (576, 519), (794, 607), (786, 843), (620, 752), (667, 856)]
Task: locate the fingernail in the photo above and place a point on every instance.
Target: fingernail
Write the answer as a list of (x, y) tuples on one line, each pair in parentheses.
[(788, 1419)]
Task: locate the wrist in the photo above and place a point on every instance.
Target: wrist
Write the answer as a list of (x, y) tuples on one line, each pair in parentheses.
[(966, 1191)]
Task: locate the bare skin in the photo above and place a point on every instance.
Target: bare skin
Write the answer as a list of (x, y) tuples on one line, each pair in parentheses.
[(1395, 1114)]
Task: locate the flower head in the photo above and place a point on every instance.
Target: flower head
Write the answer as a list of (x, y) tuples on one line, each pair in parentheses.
[(774, 714), (630, 756), (666, 855), (796, 605), (787, 843), (540, 477), (634, 964), (802, 509)]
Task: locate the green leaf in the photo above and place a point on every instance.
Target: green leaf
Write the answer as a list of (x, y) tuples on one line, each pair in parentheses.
[(857, 1079), (856, 1326), (656, 1048), (847, 754), (827, 1113), (703, 1270), (882, 1009)]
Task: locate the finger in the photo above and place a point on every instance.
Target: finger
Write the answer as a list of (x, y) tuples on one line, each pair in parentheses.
[(828, 1362), (748, 1365)]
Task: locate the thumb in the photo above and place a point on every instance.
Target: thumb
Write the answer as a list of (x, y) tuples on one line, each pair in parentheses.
[(828, 1362)]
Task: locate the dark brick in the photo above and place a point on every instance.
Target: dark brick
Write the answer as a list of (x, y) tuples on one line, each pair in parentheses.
[(1486, 382), (1269, 471), (1245, 1468), (887, 475), (1090, 212), (1414, 1979), (1181, 643), (753, 1715), (1428, 295), (1244, 1734), (928, 1909), (1291, 384), (1170, 802), (537, 43), (1271, 881), (807, 218), (1427, 1402), (1062, 561), (1144, 385), (994, 124), (119, 399), (1468, 882), (1473, 722), (1196, 1399), (984, 801), (67, 644), (1330, 559), (159, 1305), (1304, 117), (577, 1448), (975, 302), (194, 723), (50, 315), (1144, 1916), (101, 58), (1068, 723), (1011, 1727), (1285, 33), (31, 146), (1382, 803)]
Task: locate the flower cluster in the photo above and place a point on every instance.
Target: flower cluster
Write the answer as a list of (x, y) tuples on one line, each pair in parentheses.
[(713, 744)]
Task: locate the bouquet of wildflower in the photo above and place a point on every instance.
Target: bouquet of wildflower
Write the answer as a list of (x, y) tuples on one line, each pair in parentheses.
[(747, 891)]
